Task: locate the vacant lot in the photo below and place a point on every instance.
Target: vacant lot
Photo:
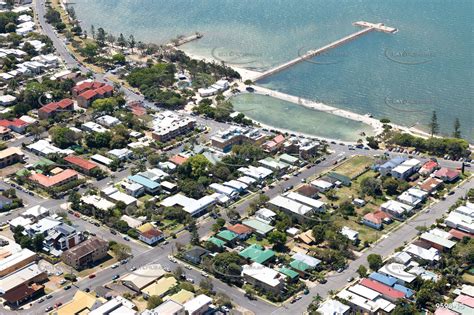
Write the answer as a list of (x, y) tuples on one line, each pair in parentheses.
[(354, 166)]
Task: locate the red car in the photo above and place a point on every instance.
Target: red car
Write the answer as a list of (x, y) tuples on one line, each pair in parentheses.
[(77, 215), (91, 276), (58, 304)]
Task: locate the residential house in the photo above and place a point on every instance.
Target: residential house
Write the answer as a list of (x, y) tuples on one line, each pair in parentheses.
[(149, 234), (62, 178), (87, 92), (195, 255), (150, 186), (243, 232), (428, 168), (169, 307), (258, 254), (396, 209), (293, 208), (447, 175), (322, 185), (388, 166), (86, 253), (333, 307), (194, 207), (51, 109), (264, 277), (431, 184), (259, 227), (265, 215), (375, 219), (143, 277), (11, 155), (82, 303), (83, 165), (199, 305)]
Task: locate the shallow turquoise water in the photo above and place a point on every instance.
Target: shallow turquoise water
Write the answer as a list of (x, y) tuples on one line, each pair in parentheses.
[(426, 66), (286, 115)]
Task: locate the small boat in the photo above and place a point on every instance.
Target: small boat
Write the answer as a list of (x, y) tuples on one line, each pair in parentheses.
[(369, 115)]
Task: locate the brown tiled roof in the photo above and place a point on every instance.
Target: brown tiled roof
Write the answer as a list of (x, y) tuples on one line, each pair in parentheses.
[(21, 292), (86, 247)]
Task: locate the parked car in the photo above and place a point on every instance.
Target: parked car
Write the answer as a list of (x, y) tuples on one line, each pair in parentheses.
[(48, 309), (91, 276), (67, 287), (115, 277)]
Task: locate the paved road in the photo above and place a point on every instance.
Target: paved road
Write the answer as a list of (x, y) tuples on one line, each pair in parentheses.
[(159, 254)]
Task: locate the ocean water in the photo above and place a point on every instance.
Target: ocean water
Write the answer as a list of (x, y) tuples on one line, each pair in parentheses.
[(426, 66), (286, 115)]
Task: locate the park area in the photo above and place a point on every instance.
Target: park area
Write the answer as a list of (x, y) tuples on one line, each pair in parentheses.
[(354, 166)]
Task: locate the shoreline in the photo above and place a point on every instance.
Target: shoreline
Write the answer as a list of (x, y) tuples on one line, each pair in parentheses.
[(247, 74), (376, 125)]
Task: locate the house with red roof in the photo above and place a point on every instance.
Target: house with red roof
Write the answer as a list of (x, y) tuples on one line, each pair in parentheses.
[(16, 125), (387, 292), (83, 165), (57, 180), (274, 144), (87, 92), (376, 219), (447, 174), (149, 234), (51, 109), (428, 168), (242, 231), (459, 235), (178, 159), (431, 184)]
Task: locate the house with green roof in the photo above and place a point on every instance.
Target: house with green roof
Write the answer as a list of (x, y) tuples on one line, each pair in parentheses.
[(258, 226), (228, 236), (301, 267), (291, 274), (258, 254), (216, 241)]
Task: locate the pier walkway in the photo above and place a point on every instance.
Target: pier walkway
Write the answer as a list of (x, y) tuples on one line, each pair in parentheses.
[(367, 28)]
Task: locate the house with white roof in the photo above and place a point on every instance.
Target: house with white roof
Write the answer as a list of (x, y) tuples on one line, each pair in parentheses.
[(107, 121), (121, 154), (396, 209), (265, 215), (237, 185), (114, 195), (397, 270), (316, 205), (290, 207), (333, 307), (409, 199), (350, 234), (198, 305), (228, 191), (429, 255), (263, 277), (192, 206), (322, 185), (462, 219)]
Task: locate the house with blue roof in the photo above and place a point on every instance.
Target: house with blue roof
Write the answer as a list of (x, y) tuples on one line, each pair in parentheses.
[(408, 292), (388, 166), (150, 186), (387, 280)]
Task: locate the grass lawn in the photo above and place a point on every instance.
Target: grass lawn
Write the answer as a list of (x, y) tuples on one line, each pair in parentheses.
[(354, 166), (253, 240)]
